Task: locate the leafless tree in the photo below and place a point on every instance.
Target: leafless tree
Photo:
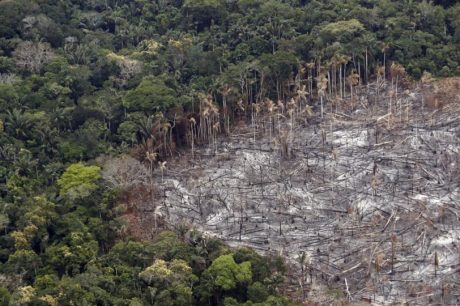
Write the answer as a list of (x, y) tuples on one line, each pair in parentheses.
[(32, 56), (8, 78), (128, 68), (125, 172)]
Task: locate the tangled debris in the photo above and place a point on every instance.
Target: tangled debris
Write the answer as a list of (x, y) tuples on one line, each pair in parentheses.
[(363, 196)]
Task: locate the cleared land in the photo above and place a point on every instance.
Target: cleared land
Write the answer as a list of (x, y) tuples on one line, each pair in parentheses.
[(364, 198)]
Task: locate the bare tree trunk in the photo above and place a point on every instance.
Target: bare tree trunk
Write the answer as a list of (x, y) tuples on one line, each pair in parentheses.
[(322, 108), (366, 64)]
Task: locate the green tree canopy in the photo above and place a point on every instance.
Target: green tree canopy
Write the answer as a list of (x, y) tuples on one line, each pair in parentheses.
[(225, 273), (151, 95), (79, 180)]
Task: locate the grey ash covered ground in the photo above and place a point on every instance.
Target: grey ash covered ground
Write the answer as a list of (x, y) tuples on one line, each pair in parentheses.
[(371, 200)]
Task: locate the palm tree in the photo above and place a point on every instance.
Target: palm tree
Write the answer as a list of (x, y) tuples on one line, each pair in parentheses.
[(397, 71), (49, 140), (309, 111), (270, 107), (209, 113), (353, 80), (19, 124), (310, 66), (374, 185), (333, 63), (322, 82), (280, 106), (162, 166), (226, 90), (384, 48), (304, 261), (156, 213), (25, 163), (192, 133), (302, 95), (204, 115), (164, 126), (216, 130), (291, 108), (380, 76), (343, 61), (147, 126), (151, 157), (254, 114)]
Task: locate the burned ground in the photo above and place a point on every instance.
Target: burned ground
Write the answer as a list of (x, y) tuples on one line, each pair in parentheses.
[(363, 198)]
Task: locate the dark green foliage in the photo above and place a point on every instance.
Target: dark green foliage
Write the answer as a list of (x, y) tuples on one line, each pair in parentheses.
[(4, 297), (152, 94)]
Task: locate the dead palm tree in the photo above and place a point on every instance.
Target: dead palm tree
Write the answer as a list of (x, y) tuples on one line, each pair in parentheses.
[(397, 72), (216, 130), (162, 166), (271, 108), (310, 76), (343, 61), (353, 80), (374, 185), (304, 261), (384, 48), (213, 121), (156, 213), (192, 133), (291, 110), (322, 82), (166, 127), (380, 77), (280, 106), (332, 73), (226, 90), (254, 116), (309, 111), (240, 105), (302, 94), (151, 157)]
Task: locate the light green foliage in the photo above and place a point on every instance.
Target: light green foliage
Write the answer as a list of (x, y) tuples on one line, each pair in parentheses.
[(159, 271), (4, 297), (226, 273), (341, 27), (173, 281), (176, 271), (22, 296), (79, 180)]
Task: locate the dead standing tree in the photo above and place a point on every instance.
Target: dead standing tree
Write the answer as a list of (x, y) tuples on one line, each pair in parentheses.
[(330, 198)]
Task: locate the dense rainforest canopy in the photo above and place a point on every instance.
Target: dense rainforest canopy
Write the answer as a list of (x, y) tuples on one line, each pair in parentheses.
[(80, 79)]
